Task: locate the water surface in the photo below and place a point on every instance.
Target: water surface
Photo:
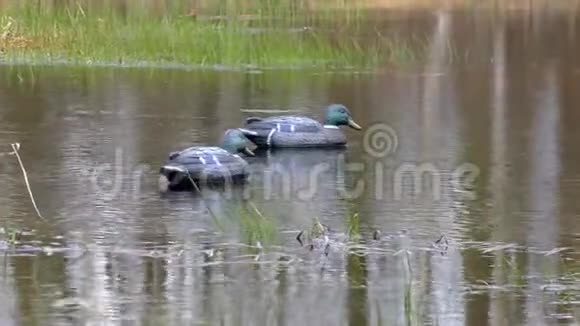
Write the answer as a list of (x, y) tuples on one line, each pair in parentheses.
[(491, 113)]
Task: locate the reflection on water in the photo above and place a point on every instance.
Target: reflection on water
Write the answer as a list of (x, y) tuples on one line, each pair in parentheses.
[(113, 249)]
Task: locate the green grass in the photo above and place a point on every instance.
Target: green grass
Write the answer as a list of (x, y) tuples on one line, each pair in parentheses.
[(80, 34), (257, 227), (248, 222), (353, 226), (9, 235)]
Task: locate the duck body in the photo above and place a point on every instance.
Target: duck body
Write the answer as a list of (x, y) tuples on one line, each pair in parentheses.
[(300, 131), (293, 131), (206, 165)]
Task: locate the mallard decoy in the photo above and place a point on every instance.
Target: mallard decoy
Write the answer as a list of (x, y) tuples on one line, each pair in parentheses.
[(298, 131), (207, 165)]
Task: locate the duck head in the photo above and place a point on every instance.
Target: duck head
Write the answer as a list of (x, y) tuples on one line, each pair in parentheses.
[(339, 115), (234, 141)]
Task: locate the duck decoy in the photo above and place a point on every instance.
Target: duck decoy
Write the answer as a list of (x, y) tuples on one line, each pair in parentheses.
[(207, 165), (300, 131)]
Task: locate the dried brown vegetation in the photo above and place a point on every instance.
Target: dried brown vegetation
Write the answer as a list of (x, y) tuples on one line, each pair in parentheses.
[(10, 39)]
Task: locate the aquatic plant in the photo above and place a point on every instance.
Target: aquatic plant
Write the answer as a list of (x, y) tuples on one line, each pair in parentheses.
[(85, 34), (256, 227), (353, 226), (316, 230), (10, 236), (245, 219)]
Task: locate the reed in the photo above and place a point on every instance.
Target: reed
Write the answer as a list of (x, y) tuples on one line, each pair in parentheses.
[(15, 148), (353, 226), (256, 227), (245, 221), (272, 36)]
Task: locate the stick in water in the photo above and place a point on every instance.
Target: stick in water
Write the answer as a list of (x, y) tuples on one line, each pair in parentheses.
[(15, 148)]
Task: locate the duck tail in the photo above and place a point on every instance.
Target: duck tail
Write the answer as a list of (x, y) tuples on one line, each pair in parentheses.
[(253, 119), (173, 155), (247, 132)]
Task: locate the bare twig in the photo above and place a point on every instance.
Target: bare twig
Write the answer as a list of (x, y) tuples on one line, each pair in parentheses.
[(15, 148), (299, 238)]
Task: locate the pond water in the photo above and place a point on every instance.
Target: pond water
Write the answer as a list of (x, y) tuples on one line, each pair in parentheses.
[(487, 123)]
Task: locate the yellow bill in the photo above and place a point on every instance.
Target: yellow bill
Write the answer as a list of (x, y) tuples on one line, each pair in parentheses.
[(353, 124)]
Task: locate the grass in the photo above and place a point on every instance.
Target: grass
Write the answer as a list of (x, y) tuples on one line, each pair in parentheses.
[(252, 226), (10, 235), (353, 226), (256, 227), (81, 34)]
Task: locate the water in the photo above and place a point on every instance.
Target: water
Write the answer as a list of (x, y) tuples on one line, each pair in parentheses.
[(492, 117)]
